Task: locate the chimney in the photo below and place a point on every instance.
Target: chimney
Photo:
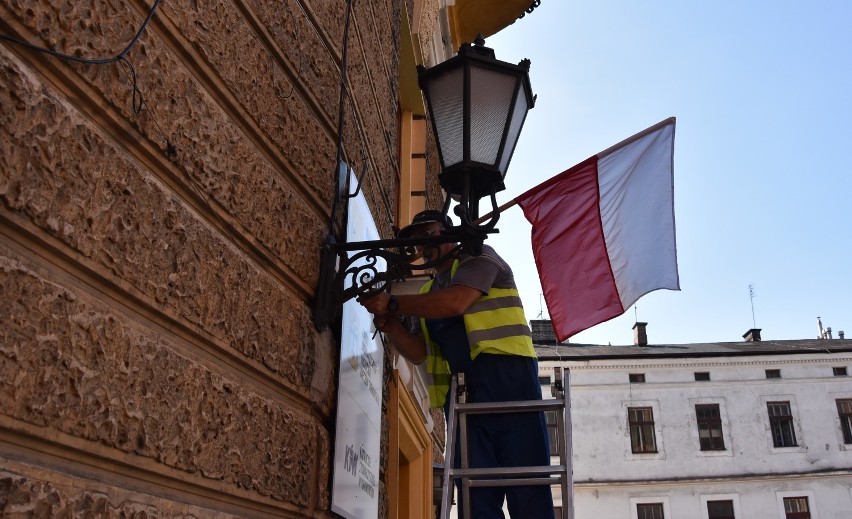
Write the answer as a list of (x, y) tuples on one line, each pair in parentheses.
[(840, 334), (542, 331), (752, 335), (823, 333), (640, 336)]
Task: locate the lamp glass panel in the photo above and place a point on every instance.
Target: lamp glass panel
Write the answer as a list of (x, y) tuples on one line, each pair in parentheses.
[(446, 101), (490, 105), (518, 115)]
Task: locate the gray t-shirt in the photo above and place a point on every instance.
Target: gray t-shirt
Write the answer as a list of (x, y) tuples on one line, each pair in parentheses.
[(480, 272)]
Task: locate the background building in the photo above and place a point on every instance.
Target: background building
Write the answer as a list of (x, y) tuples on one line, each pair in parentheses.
[(754, 429), (161, 216)]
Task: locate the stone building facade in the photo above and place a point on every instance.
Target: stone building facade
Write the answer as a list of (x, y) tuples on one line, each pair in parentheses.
[(753, 429), (160, 223)]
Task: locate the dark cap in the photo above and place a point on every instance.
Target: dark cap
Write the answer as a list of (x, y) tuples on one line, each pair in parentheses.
[(422, 218)]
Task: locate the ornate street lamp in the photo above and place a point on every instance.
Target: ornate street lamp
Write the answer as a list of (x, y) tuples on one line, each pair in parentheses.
[(478, 106)]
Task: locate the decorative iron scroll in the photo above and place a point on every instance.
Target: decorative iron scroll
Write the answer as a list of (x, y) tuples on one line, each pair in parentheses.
[(364, 277), (357, 264), (362, 271)]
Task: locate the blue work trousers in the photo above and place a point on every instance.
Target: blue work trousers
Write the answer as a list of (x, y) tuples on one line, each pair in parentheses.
[(505, 440)]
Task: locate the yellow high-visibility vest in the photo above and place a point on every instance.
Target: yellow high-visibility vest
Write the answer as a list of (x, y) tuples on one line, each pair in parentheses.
[(495, 323)]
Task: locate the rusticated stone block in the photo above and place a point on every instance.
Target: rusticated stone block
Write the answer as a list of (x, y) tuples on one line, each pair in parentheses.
[(331, 17), (434, 195), (215, 155), (255, 78), (313, 63), (428, 25), (72, 365), (365, 94), (22, 496), (377, 191), (324, 469), (217, 236), (76, 186), (380, 51)]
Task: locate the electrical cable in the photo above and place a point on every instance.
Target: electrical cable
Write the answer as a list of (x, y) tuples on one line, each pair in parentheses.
[(340, 118), (121, 57), (90, 61)]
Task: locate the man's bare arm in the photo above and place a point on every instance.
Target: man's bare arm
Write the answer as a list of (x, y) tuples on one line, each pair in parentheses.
[(409, 345), (438, 304)]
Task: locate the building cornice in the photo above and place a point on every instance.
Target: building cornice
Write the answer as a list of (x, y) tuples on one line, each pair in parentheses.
[(728, 479), (606, 364)]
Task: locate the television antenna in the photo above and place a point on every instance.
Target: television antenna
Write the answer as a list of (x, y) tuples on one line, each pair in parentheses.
[(751, 299)]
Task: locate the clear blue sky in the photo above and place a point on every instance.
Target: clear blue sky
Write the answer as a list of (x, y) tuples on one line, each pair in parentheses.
[(762, 92)]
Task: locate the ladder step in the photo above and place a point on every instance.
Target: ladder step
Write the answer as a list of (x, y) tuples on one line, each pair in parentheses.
[(508, 471), (514, 482), (514, 406), (555, 475)]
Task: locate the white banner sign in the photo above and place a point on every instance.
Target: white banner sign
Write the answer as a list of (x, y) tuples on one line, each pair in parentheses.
[(355, 488)]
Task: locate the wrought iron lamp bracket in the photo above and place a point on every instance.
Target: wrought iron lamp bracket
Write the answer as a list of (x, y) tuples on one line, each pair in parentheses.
[(360, 274), (352, 270)]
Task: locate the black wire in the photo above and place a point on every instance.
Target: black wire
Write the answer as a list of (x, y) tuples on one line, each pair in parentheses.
[(137, 99), (91, 61), (340, 119), (298, 74), (137, 106)]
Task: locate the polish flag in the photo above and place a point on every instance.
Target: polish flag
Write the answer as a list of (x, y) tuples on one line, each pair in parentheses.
[(603, 232)]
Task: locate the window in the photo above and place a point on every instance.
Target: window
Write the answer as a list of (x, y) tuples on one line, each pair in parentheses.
[(702, 376), (649, 511), (641, 422), (709, 427), (796, 508), (544, 380), (636, 378), (781, 424), (412, 155), (840, 372), (552, 432), (773, 373), (720, 509), (844, 411)]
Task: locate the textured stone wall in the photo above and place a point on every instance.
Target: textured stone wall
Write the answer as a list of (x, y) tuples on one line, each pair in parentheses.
[(31, 497), (157, 266)]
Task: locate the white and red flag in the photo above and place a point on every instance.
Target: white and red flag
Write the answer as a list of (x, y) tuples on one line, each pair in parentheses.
[(603, 232)]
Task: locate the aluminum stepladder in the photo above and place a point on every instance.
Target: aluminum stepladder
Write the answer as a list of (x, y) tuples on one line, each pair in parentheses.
[(507, 476)]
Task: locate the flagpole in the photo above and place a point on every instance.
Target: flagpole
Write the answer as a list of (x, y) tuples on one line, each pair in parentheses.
[(646, 131), (511, 203)]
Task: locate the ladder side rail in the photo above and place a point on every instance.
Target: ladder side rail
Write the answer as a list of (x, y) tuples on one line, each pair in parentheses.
[(568, 484), (464, 461), (457, 420), (447, 489), (562, 452), (558, 393)]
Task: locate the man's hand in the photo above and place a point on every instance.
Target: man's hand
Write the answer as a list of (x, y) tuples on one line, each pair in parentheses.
[(409, 345), (383, 322), (376, 304)]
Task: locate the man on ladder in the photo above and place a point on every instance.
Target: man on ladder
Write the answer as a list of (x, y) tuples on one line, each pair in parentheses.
[(472, 321)]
